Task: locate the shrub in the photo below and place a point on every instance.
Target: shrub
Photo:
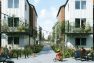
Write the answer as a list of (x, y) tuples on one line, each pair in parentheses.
[(36, 48), (55, 47), (68, 53)]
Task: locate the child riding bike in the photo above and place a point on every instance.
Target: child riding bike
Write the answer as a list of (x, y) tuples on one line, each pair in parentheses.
[(58, 56)]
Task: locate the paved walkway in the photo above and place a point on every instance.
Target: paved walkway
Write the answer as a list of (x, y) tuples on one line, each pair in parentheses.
[(46, 56)]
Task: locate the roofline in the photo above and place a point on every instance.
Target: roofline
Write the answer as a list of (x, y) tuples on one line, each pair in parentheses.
[(32, 6), (34, 9), (61, 7)]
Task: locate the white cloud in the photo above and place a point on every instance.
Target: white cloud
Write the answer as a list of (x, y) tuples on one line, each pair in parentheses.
[(47, 19), (42, 13)]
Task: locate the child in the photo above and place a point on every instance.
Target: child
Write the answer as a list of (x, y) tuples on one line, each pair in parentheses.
[(59, 55)]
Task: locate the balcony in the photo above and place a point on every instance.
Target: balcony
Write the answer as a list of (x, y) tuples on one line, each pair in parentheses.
[(20, 28), (72, 29)]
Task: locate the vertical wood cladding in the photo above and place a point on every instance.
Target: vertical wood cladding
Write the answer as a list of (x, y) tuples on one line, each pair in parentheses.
[(31, 19), (0, 23), (61, 14)]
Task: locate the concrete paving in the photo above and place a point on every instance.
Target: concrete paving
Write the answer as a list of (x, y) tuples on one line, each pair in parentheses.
[(46, 56)]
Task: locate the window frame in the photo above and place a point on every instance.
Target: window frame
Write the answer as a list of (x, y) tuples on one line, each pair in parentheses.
[(13, 40), (81, 43), (14, 5), (78, 5), (13, 22), (81, 4), (9, 1), (82, 7), (80, 24), (77, 25)]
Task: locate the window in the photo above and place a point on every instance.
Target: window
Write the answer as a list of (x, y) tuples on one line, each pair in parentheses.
[(77, 22), (80, 41), (10, 3), (16, 40), (83, 22), (83, 4), (80, 22), (77, 4), (83, 41), (13, 40), (13, 21), (80, 4), (16, 3), (77, 41), (16, 22), (10, 21), (13, 3), (10, 40)]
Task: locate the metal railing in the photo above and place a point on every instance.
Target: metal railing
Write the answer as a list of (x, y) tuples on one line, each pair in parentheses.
[(72, 29)]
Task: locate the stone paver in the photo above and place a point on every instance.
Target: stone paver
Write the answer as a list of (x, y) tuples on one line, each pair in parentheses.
[(46, 56)]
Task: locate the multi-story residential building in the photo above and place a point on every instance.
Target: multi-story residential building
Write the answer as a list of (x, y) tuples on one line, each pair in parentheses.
[(18, 21), (78, 23), (93, 23), (0, 22)]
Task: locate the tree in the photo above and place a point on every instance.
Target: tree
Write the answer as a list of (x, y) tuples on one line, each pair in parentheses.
[(40, 33)]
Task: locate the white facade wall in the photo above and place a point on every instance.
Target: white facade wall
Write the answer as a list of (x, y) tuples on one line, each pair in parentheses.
[(17, 12), (70, 41), (71, 13), (23, 15)]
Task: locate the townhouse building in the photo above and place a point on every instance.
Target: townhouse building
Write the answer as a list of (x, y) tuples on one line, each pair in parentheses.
[(78, 18), (18, 23), (0, 22)]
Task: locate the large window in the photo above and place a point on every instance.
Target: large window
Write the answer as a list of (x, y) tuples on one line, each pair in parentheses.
[(16, 22), (16, 40), (13, 40), (77, 22), (83, 4), (16, 3), (80, 41), (10, 22), (77, 4), (10, 40), (80, 22), (83, 23), (10, 3), (13, 21), (13, 3), (80, 4)]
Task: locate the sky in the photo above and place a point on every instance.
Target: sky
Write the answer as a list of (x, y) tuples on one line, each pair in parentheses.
[(47, 11)]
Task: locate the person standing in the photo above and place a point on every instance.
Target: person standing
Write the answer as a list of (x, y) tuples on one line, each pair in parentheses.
[(1, 50), (10, 52), (83, 53), (6, 52)]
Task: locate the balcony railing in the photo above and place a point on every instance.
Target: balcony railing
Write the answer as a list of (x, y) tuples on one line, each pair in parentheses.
[(20, 28), (72, 29)]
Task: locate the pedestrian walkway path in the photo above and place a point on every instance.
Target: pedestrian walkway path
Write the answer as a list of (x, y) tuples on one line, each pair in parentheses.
[(46, 56)]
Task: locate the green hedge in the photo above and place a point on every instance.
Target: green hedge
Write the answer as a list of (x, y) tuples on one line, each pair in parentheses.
[(36, 48), (27, 50)]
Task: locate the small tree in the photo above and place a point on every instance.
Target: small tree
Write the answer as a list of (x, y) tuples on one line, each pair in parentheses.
[(87, 28), (4, 27)]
